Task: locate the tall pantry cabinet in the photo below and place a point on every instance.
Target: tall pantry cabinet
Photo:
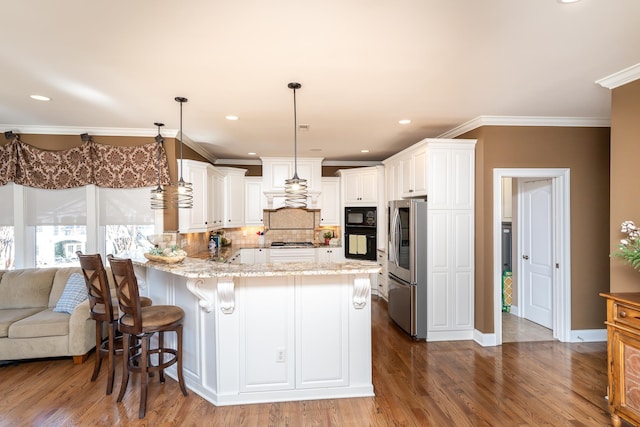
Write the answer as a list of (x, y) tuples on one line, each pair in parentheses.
[(443, 172)]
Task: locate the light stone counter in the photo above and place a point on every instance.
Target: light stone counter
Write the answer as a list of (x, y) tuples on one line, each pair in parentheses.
[(195, 268)]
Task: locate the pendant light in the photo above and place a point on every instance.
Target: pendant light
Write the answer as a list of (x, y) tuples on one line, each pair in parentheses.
[(295, 188), (159, 195), (182, 191)]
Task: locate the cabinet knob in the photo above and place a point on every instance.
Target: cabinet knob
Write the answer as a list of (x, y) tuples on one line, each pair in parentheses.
[(622, 314), (525, 256)]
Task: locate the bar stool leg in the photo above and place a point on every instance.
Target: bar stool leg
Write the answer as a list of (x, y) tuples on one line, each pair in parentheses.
[(111, 358), (179, 357), (161, 355), (126, 350), (144, 378), (96, 365)]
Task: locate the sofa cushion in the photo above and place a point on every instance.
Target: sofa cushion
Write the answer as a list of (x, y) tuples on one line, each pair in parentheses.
[(60, 282), (46, 323), (75, 291), (11, 315), (26, 288)]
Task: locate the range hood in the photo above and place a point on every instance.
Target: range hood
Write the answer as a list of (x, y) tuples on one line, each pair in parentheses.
[(275, 199)]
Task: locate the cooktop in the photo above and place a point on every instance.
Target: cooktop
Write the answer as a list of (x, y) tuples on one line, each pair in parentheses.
[(292, 244)]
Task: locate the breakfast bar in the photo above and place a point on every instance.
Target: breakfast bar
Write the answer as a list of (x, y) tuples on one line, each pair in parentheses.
[(272, 332)]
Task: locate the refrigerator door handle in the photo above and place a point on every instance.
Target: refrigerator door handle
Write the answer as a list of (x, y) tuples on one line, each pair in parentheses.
[(396, 237)]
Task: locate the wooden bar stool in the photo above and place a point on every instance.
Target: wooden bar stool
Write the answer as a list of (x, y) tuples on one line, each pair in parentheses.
[(141, 323), (104, 312)]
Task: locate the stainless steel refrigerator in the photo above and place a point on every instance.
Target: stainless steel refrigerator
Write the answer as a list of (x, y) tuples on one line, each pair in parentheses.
[(407, 256)]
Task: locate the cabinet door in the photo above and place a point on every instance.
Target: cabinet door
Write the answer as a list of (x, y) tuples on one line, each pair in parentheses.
[(419, 165), (266, 316), (392, 181), (330, 202), (406, 181), (218, 202), (254, 199), (369, 187), (234, 200), (322, 331), (351, 187), (624, 395), (195, 219)]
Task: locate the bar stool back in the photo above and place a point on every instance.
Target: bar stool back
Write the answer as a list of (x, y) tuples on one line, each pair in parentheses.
[(142, 323)]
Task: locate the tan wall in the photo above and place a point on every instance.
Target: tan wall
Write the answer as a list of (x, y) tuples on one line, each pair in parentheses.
[(625, 177), (586, 152)]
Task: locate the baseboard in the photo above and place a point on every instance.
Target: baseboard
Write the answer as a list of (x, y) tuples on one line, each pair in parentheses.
[(588, 335), (485, 340)]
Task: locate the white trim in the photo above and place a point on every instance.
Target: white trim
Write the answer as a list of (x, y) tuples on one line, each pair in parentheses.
[(562, 296), (588, 335), (526, 121), (621, 77), (485, 340), (256, 162)]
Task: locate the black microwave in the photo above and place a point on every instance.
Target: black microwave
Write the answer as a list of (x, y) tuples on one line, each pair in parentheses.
[(360, 216)]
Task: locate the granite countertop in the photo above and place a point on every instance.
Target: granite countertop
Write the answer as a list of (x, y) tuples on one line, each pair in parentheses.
[(201, 268)]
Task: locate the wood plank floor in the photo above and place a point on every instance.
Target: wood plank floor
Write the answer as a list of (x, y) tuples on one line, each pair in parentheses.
[(416, 384)]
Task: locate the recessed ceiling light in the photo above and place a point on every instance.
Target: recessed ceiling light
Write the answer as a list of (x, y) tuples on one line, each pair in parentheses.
[(568, 1), (231, 117), (364, 151), (251, 153), (404, 121), (40, 98)]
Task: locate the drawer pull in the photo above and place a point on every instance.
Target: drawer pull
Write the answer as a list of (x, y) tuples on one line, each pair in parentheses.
[(623, 314)]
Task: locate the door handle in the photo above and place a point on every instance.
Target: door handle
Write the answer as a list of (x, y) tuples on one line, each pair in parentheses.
[(525, 256)]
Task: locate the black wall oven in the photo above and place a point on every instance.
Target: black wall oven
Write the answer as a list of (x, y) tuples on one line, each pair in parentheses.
[(360, 233)]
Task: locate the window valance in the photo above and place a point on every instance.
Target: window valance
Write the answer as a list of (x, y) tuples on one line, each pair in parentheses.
[(91, 163)]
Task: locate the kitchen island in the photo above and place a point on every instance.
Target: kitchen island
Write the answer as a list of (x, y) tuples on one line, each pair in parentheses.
[(256, 333)]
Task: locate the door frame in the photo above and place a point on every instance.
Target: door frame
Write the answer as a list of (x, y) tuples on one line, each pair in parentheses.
[(560, 186)]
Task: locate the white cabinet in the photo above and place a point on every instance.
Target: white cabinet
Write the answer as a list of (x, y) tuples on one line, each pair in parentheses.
[(360, 185), (233, 196), (393, 180), (254, 201), (451, 170), (333, 254), (383, 288), (253, 256), (329, 201), (414, 173), (216, 199), (195, 219), (284, 344), (292, 255)]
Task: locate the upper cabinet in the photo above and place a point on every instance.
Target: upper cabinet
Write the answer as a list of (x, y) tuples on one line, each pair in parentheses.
[(329, 202), (195, 219), (254, 201), (276, 170), (233, 196), (218, 197), (438, 169), (360, 186)]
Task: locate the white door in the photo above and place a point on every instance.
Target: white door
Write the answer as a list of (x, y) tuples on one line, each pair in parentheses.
[(537, 253)]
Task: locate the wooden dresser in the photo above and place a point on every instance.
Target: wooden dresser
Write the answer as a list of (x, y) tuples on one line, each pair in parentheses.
[(623, 350)]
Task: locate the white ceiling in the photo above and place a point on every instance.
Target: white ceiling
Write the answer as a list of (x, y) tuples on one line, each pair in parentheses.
[(115, 67)]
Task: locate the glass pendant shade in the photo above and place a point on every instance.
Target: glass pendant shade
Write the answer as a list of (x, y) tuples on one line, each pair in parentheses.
[(181, 192), (295, 188), (158, 194)]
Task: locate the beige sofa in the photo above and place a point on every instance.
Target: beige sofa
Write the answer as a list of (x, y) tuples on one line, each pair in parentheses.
[(29, 326)]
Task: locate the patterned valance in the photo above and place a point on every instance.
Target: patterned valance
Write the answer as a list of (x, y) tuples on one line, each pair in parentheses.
[(91, 163)]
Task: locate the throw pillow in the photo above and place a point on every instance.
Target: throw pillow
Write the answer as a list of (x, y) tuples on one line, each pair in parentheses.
[(75, 292)]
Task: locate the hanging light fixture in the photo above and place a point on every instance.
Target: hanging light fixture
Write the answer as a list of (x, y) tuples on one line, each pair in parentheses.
[(295, 188), (182, 191), (158, 194)]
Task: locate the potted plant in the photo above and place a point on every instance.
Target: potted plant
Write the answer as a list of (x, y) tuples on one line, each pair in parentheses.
[(327, 236)]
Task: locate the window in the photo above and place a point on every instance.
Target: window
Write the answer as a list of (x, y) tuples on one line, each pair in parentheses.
[(7, 234), (127, 218), (59, 218)]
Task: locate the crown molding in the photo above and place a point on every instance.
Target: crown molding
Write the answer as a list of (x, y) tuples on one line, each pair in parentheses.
[(525, 121), (254, 162), (620, 78)]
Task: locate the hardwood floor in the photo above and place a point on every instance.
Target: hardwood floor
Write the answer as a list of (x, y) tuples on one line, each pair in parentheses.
[(416, 384)]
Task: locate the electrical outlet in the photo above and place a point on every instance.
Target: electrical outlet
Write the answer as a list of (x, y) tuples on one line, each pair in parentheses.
[(280, 356)]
